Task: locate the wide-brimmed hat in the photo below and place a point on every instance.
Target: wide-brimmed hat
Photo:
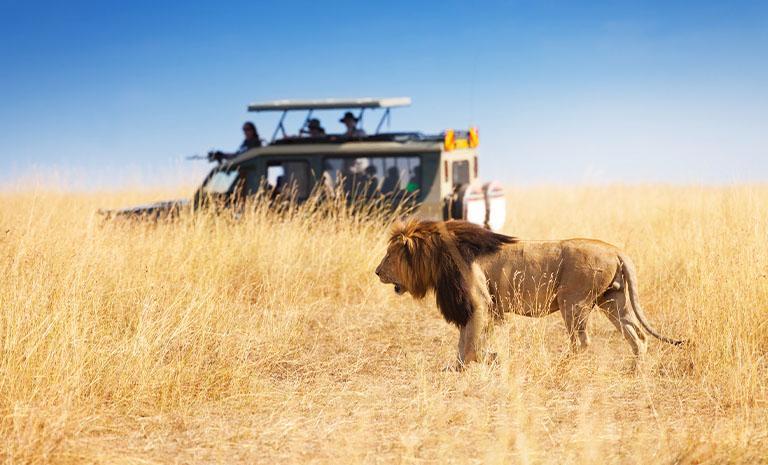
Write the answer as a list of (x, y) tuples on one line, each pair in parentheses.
[(348, 115), (314, 123)]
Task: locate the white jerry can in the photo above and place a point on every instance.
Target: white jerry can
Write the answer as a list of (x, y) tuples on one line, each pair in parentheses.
[(473, 203), (495, 205), (485, 205)]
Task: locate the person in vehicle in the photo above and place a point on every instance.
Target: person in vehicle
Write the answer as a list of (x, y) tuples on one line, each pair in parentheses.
[(314, 129), (391, 180), (371, 181), (348, 175), (251, 141), (350, 121), (415, 182)]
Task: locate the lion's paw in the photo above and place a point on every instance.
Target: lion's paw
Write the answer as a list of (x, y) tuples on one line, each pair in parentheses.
[(455, 367)]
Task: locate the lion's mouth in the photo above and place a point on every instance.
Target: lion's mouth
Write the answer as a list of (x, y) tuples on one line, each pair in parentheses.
[(399, 288)]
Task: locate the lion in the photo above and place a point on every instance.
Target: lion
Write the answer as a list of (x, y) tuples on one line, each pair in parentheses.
[(478, 275)]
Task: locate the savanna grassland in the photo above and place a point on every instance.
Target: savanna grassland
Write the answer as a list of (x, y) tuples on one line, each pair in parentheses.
[(270, 340)]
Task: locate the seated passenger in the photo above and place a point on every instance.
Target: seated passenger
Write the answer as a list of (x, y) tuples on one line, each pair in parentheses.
[(356, 173), (414, 183), (251, 141), (391, 181), (279, 184), (371, 181), (350, 121), (314, 129)]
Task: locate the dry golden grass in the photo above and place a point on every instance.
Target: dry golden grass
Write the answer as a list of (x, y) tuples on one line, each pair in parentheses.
[(271, 341)]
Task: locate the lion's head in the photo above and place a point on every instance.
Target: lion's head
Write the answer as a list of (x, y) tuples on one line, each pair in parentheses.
[(411, 246), (431, 255)]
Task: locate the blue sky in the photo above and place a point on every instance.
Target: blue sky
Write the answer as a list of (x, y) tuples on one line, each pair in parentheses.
[(109, 94)]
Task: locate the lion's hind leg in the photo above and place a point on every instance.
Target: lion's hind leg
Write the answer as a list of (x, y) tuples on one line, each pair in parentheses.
[(618, 310), (576, 318)]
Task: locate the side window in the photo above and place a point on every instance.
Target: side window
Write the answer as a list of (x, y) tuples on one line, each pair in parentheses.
[(369, 176), (275, 173), (290, 177), (460, 172)]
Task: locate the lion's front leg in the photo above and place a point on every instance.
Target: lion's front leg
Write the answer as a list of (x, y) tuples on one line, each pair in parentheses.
[(472, 335), (458, 364)]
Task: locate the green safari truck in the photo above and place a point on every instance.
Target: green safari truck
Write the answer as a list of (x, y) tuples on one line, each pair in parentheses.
[(439, 172)]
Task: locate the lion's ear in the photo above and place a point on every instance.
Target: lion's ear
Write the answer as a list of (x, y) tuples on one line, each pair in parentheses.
[(409, 243)]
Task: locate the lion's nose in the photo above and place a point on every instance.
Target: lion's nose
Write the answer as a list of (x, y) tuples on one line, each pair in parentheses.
[(378, 271)]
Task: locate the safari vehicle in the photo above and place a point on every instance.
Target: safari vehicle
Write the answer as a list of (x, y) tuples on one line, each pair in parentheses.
[(438, 172)]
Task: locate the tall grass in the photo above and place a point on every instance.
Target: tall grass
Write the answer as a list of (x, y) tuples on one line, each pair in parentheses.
[(268, 339)]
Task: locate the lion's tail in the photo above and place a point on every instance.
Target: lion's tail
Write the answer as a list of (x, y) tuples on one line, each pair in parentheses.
[(630, 278)]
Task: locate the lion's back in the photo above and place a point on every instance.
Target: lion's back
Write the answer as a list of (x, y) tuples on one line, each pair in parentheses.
[(527, 275), (592, 251)]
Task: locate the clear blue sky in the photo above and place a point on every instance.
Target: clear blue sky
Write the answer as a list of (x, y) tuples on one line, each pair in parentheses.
[(561, 90)]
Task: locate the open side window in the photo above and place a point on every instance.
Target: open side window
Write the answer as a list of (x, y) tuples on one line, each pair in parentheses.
[(375, 175), (290, 177)]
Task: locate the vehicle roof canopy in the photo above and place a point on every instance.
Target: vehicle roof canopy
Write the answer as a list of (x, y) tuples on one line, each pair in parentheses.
[(330, 104), (310, 106), (449, 140)]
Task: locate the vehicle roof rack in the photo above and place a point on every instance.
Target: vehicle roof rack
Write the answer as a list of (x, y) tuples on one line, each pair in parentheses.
[(381, 137), (329, 104)]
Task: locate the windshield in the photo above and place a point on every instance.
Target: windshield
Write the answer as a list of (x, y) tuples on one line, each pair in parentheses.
[(220, 182)]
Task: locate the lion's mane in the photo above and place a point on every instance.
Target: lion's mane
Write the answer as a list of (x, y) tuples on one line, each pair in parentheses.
[(438, 256)]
